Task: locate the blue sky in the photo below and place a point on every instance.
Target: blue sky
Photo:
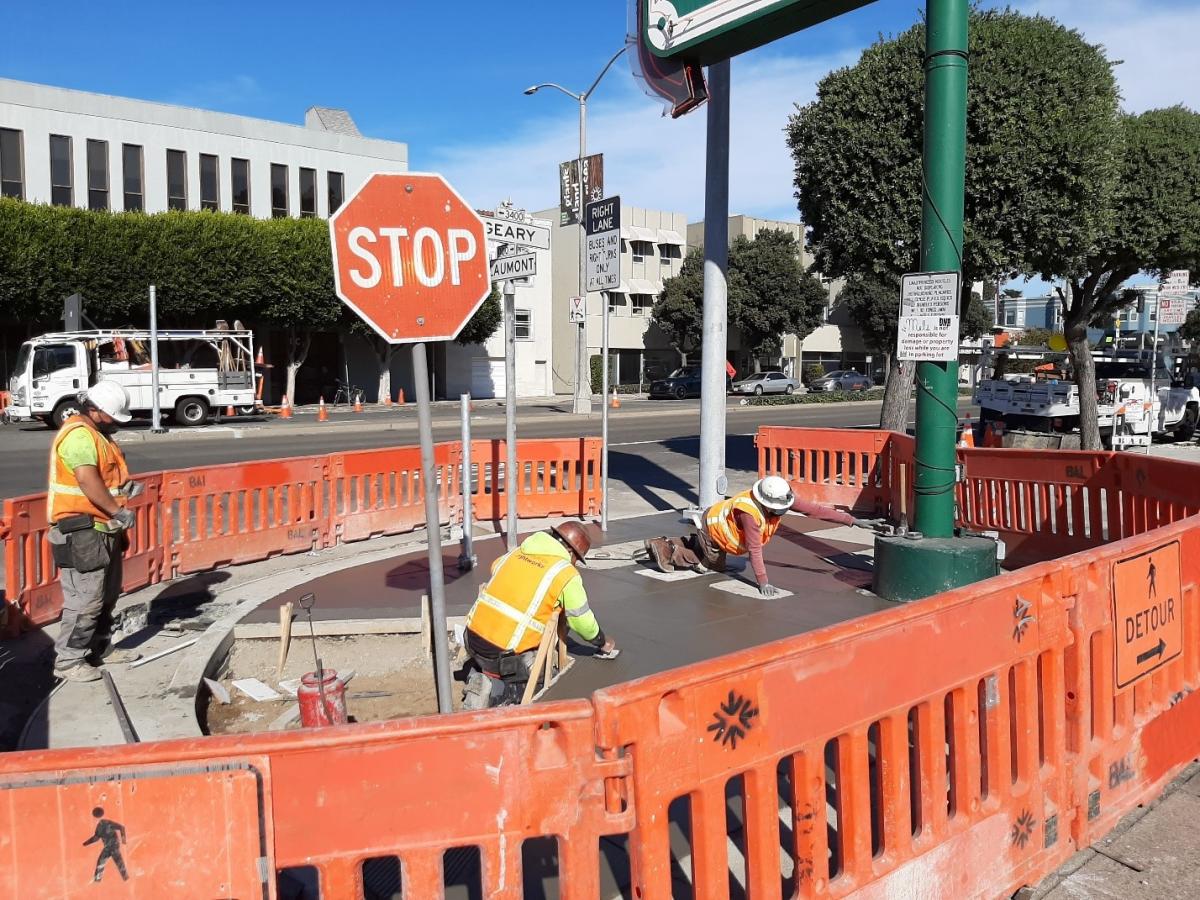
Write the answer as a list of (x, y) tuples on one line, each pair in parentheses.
[(447, 79)]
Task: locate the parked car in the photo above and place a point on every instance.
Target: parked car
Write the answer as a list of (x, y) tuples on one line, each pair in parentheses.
[(767, 383), (842, 380), (679, 385)]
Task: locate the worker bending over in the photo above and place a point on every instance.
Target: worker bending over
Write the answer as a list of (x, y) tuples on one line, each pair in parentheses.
[(741, 525), (507, 621)]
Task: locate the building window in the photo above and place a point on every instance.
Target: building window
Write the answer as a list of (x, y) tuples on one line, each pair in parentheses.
[(62, 192), (1010, 317), (670, 251), (210, 183), (522, 324), (97, 174), (337, 191), (132, 174), (239, 182), (641, 249), (642, 304), (308, 193), (176, 179), (279, 191), (616, 304), (12, 164)]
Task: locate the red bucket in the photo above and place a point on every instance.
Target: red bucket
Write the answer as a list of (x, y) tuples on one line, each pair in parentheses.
[(309, 696)]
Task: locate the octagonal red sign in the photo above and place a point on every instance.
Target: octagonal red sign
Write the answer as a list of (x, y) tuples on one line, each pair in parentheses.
[(409, 256)]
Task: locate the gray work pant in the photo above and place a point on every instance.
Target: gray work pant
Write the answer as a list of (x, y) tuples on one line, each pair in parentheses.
[(484, 692), (88, 602)]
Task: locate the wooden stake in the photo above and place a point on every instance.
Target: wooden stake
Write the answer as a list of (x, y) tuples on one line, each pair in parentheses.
[(285, 635)]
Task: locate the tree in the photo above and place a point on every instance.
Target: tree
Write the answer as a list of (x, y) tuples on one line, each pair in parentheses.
[(1190, 329), (481, 326), (873, 303), (1035, 337), (679, 310), (774, 295), (1152, 223), (1040, 118)]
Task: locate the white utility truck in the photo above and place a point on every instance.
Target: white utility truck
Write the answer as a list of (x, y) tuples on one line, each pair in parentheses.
[(1128, 414), (198, 371)]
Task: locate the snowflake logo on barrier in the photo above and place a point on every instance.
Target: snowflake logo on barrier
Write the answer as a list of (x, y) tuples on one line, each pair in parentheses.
[(1022, 829), (1022, 617), (734, 718)]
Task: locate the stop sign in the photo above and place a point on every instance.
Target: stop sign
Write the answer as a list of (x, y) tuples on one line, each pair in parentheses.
[(409, 257)]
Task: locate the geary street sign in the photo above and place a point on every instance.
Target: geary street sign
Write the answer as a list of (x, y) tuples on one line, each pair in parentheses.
[(707, 31), (602, 228), (521, 234), (410, 257)]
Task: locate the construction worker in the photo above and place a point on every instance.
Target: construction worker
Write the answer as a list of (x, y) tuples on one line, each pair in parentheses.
[(741, 525), (507, 621), (86, 500)]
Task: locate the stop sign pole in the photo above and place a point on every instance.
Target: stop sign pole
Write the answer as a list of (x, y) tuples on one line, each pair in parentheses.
[(409, 256)]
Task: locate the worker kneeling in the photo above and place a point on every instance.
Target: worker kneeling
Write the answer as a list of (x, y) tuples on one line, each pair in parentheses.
[(741, 525), (513, 610)]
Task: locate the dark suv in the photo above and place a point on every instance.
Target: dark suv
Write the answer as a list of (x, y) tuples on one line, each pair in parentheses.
[(680, 384)]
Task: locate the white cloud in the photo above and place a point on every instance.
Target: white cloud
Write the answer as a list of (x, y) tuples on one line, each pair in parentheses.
[(1154, 41), (650, 160)]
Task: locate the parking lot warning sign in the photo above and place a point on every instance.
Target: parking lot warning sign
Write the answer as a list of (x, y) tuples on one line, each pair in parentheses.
[(1147, 613)]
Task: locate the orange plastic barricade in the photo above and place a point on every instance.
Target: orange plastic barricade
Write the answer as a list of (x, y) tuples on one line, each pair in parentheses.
[(557, 477), (408, 792), (242, 512), (379, 491)]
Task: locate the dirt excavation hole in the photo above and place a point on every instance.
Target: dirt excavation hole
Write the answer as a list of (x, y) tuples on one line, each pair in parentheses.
[(393, 679)]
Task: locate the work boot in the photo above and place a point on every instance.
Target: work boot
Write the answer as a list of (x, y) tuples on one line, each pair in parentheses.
[(660, 552), (114, 657), (83, 672)]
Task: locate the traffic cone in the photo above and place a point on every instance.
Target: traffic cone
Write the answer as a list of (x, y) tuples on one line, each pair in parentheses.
[(400, 399), (616, 404), (968, 436), (285, 408), (322, 412), (259, 361), (357, 404), (230, 413), (387, 398)]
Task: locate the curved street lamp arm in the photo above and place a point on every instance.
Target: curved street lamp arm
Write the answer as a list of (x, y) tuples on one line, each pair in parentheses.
[(604, 71)]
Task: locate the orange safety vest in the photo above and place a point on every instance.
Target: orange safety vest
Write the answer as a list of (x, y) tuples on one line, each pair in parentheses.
[(723, 528), (65, 497), (512, 609)]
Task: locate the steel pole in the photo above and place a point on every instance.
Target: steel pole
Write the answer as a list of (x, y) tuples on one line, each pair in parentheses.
[(155, 400), (944, 166), (604, 417), (1152, 418), (512, 477), (433, 529), (716, 258), (467, 560), (583, 379)]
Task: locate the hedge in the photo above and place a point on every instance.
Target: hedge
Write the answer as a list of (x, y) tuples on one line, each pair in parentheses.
[(827, 397)]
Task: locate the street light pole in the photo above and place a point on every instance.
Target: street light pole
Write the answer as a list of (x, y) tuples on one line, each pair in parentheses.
[(582, 403)]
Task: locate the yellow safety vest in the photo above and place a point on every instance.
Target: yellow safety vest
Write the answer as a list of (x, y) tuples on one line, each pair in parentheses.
[(65, 497), (723, 528), (512, 609)]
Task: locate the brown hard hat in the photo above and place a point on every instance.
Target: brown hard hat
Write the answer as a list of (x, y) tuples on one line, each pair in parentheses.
[(575, 536)]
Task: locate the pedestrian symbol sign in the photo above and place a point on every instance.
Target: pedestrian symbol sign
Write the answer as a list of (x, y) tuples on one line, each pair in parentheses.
[(1147, 613)]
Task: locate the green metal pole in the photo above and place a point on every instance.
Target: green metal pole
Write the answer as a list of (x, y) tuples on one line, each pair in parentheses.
[(944, 164)]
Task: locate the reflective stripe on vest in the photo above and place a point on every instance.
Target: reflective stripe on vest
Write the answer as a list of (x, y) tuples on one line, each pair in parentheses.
[(64, 496), (723, 528), (512, 609)]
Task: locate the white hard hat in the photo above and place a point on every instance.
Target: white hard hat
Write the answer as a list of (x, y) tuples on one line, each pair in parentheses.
[(111, 398), (773, 493)]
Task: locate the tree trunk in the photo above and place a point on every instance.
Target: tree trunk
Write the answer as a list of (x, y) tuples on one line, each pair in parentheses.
[(896, 395), (1085, 379), (297, 352), (384, 354)]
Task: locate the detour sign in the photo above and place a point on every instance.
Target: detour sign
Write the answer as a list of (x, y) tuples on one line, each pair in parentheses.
[(1147, 612)]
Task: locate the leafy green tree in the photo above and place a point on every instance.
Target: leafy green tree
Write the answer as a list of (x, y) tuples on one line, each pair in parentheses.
[(679, 310), (1152, 223), (1041, 120), (1190, 329), (774, 296), (873, 303)]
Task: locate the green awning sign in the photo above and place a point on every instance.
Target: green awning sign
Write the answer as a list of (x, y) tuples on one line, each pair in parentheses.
[(707, 31)]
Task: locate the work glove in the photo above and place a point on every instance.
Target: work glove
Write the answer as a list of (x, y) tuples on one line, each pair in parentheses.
[(873, 524), (768, 590), (122, 520), (131, 489)]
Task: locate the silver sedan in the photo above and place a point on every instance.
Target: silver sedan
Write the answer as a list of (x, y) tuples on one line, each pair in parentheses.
[(767, 383), (842, 380)]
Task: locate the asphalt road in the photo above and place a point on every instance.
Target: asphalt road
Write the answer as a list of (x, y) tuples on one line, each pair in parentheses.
[(638, 424)]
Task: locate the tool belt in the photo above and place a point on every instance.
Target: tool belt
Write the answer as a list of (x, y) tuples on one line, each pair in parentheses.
[(507, 667), (79, 546)]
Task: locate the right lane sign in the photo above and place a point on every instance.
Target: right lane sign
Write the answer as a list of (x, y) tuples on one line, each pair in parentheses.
[(602, 228), (1147, 613)]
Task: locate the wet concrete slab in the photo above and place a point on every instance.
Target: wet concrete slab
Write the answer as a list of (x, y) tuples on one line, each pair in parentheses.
[(658, 624)]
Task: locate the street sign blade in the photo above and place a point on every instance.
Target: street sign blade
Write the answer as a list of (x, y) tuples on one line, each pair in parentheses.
[(521, 234), (509, 268)]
